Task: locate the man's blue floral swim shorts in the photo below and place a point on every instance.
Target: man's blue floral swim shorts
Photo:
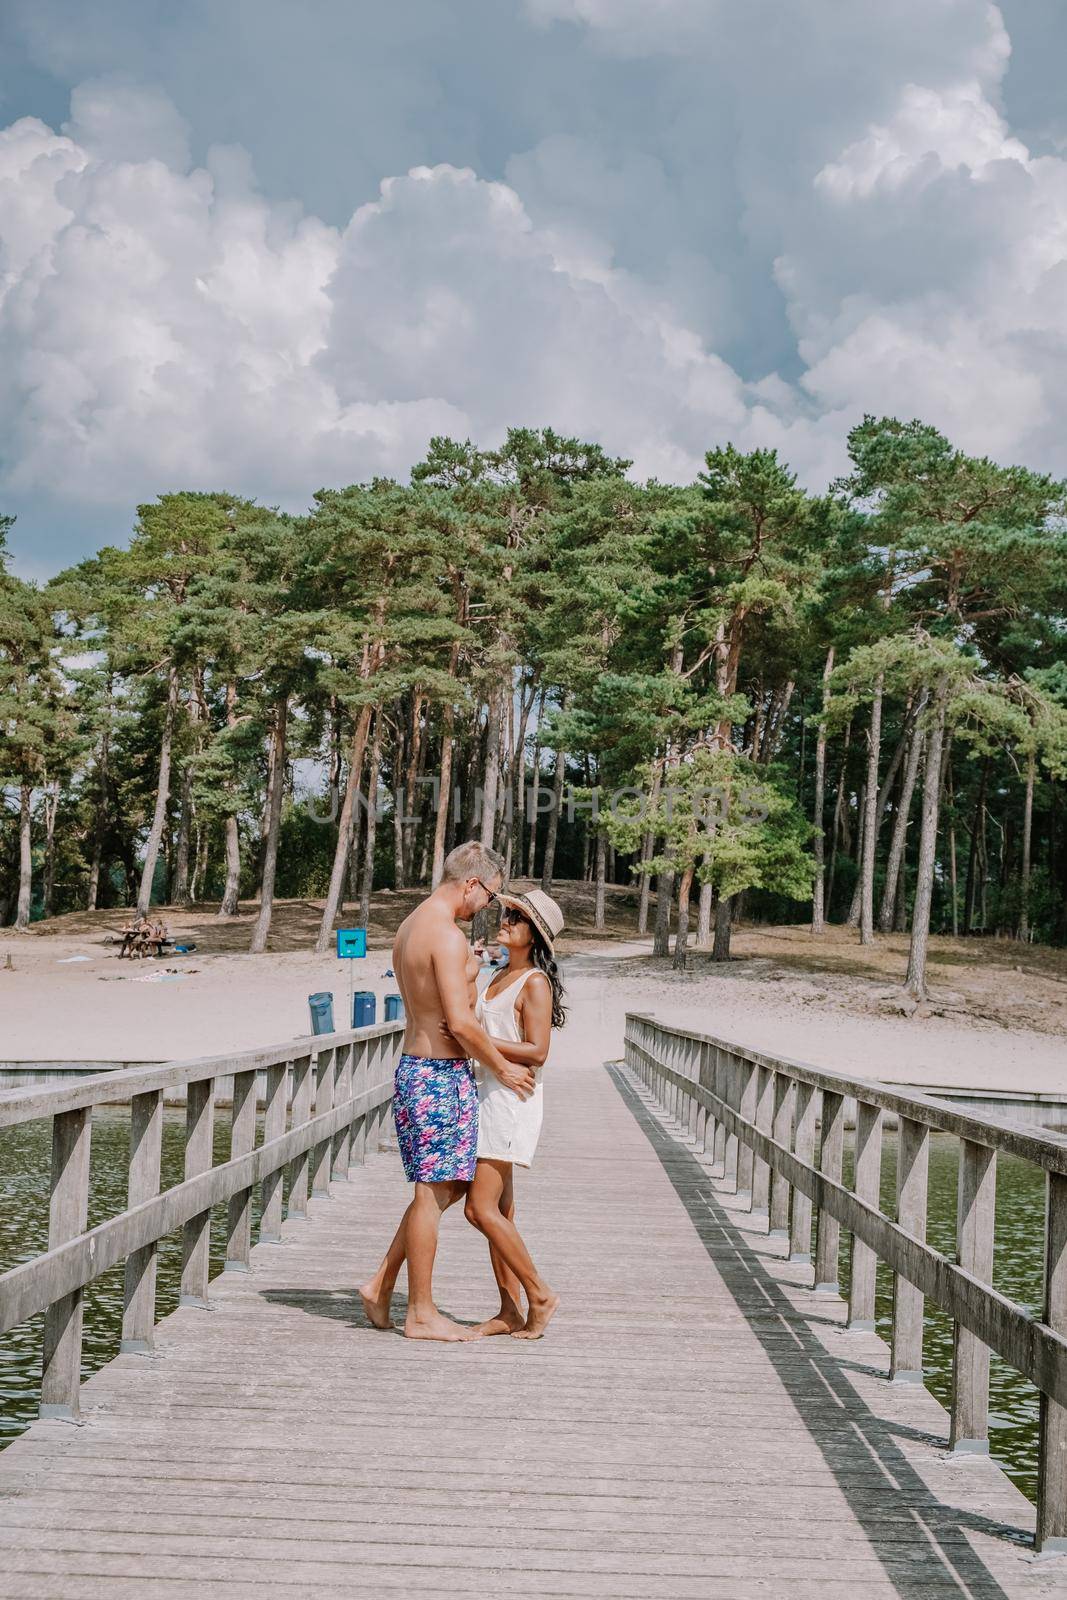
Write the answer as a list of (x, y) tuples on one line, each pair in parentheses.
[(435, 1105)]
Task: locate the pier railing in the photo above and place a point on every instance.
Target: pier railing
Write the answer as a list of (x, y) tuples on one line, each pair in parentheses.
[(763, 1118), (324, 1102)]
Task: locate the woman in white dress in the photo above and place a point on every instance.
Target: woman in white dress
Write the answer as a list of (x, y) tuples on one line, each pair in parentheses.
[(518, 1008)]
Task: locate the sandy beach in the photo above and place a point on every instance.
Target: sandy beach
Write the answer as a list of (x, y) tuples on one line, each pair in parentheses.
[(65, 996)]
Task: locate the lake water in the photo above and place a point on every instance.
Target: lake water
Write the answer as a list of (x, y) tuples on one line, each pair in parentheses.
[(25, 1160)]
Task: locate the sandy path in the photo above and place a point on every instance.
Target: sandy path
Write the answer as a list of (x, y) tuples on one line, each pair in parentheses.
[(52, 1009)]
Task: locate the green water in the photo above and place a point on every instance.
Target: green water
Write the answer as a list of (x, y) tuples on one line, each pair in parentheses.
[(25, 1168), (1018, 1272), (25, 1157)]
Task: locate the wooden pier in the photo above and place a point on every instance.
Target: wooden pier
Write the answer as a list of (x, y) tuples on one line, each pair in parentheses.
[(698, 1423)]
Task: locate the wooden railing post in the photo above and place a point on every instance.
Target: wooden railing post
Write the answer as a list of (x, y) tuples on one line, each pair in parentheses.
[(376, 1066), (913, 1165), (761, 1170), (831, 1159), (342, 1141), (706, 1079), (692, 1072), (321, 1156), (297, 1208), (146, 1148), (360, 1084), (732, 1155), (745, 1158), (1052, 1448), (199, 1155), (270, 1214), (807, 1112), (721, 1083), (242, 1139), (867, 1186), (976, 1195), (785, 1094), (68, 1213)]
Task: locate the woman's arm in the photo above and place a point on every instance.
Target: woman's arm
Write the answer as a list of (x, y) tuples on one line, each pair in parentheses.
[(535, 1015)]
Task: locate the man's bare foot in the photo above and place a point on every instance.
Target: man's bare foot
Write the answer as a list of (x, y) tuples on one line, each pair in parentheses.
[(434, 1326), (376, 1305), (541, 1314), (509, 1319)]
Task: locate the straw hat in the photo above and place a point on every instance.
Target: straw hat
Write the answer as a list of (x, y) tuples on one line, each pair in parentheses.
[(542, 911)]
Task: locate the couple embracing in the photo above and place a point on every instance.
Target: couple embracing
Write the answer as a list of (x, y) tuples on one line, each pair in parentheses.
[(467, 1098)]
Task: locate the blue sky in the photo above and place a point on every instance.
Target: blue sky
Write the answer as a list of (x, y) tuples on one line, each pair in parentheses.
[(268, 246)]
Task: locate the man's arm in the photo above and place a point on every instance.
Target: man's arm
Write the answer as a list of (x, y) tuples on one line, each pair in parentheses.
[(450, 971)]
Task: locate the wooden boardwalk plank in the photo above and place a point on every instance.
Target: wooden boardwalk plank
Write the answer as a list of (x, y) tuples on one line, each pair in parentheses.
[(696, 1424)]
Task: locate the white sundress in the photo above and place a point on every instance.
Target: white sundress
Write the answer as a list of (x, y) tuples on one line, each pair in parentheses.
[(508, 1127)]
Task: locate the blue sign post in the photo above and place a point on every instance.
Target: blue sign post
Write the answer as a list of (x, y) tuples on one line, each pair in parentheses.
[(351, 946)]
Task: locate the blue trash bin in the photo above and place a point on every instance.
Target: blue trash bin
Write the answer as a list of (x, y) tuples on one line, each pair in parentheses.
[(321, 1012), (364, 1008), (394, 1008)]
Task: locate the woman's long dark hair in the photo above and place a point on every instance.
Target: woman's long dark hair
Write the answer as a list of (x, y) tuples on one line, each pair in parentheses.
[(542, 958)]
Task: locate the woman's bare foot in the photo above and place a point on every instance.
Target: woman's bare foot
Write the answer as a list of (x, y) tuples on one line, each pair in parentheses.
[(509, 1319), (432, 1325), (376, 1305), (541, 1314)]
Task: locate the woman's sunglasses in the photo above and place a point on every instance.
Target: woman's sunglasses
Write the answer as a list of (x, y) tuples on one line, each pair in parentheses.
[(510, 914)]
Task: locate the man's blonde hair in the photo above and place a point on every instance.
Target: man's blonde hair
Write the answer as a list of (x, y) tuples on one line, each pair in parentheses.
[(472, 860)]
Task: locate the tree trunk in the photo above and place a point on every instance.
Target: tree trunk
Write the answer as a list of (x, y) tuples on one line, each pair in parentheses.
[(1028, 824), (853, 918), (682, 936), (491, 784), (411, 785), (180, 893), (344, 833), (94, 872), (264, 820), (274, 823), (155, 834), (99, 821), (367, 888), (977, 826), (51, 812), (25, 900), (444, 797), (915, 981), (661, 933), (548, 865), (532, 814), (899, 836), (871, 820), (840, 821), (818, 906), (705, 906), (648, 850), (601, 871), (200, 861), (228, 908), (720, 950), (900, 911)]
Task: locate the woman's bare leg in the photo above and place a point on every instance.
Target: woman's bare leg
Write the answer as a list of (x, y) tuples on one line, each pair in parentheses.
[(484, 1213), (510, 1318)]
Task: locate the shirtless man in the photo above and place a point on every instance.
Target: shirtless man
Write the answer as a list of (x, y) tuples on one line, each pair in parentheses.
[(436, 1097)]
